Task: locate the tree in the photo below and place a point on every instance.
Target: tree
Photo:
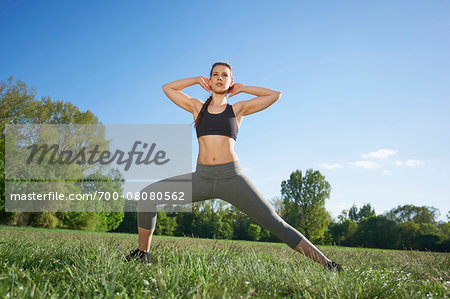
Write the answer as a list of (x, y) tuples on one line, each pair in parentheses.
[(339, 232), (304, 203), (18, 105), (407, 235), (414, 214), (444, 229), (213, 221), (208, 219), (353, 213), (254, 232), (165, 225), (364, 212), (241, 223), (128, 224), (343, 216), (376, 232), (277, 204)]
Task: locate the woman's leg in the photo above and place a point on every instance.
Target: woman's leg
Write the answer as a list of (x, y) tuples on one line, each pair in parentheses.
[(145, 238), (240, 192), (307, 248), (147, 220)]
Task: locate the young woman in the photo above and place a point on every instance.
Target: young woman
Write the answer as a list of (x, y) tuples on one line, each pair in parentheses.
[(218, 173)]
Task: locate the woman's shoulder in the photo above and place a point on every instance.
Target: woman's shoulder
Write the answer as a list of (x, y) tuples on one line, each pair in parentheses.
[(237, 108), (198, 104)]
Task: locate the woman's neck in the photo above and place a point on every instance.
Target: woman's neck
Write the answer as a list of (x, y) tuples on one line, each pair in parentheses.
[(218, 99)]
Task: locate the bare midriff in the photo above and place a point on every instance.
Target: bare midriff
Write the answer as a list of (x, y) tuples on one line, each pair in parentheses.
[(216, 149)]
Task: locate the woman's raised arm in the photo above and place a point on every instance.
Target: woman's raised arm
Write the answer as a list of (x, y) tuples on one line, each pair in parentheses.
[(173, 91), (265, 98)]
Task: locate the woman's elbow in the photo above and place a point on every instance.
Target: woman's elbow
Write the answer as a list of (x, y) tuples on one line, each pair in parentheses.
[(166, 88), (277, 95)]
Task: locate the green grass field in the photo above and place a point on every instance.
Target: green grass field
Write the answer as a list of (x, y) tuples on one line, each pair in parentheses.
[(69, 264)]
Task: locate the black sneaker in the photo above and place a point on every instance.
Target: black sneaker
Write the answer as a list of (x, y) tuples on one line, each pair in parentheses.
[(333, 266), (139, 255)]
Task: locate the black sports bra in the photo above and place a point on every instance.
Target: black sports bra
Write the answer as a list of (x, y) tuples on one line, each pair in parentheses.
[(224, 123)]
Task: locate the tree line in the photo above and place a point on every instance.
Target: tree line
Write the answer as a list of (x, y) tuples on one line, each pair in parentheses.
[(302, 201), (404, 227)]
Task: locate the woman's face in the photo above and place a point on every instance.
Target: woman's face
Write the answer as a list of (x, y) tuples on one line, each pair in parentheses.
[(221, 79)]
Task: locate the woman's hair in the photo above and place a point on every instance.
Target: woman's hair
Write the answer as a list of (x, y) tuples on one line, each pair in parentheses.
[(206, 104)]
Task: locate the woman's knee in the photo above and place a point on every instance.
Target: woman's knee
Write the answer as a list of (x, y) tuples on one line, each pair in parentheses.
[(282, 230), (146, 220), (272, 221)]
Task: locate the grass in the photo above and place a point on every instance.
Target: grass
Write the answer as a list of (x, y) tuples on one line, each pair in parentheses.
[(71, 264)]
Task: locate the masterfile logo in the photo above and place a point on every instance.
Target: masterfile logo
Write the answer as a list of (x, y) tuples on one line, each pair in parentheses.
[(77, 167)]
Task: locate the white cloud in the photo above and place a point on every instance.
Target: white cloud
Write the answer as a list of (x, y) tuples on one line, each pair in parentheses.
[(380, 154), (413, 163), (386, 172), (331, 166), (365, 164), (410, 163)]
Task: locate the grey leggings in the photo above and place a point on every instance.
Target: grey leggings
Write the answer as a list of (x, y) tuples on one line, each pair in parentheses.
[(227, 182)]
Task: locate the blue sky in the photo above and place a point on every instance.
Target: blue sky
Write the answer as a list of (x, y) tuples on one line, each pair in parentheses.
[(366, 98)]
